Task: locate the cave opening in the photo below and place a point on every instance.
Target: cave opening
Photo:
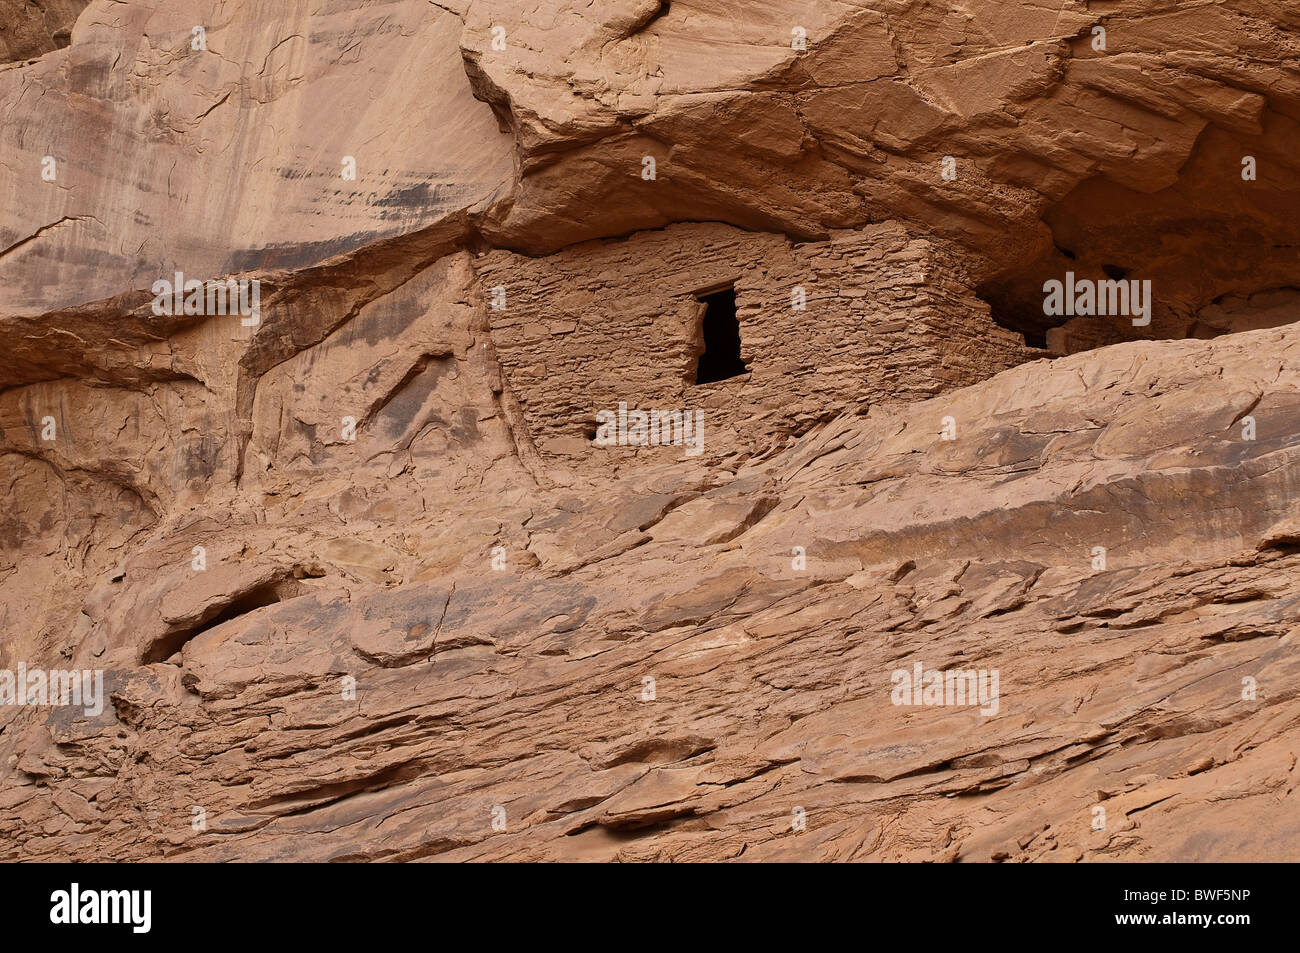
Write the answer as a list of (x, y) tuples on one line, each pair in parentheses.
[(720, 359), (1212, 250)]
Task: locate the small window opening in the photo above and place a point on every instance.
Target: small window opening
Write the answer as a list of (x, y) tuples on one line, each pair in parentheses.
[(720, 331)]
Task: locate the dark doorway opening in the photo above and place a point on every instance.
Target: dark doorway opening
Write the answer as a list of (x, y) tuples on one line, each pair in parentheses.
[(720, 332)]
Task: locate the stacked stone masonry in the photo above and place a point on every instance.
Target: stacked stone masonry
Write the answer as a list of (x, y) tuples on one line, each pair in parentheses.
[(619, 321)]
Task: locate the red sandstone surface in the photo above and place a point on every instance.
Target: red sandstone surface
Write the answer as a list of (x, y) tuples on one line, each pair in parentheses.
[(389, 567)]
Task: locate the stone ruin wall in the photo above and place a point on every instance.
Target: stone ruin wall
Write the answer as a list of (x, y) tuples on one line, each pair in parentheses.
[(888, 319)]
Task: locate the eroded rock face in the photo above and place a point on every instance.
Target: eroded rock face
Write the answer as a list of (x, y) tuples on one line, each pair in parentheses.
[(30, 28), (363, 577)]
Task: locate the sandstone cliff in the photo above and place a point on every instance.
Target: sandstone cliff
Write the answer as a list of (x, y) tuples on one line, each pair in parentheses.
[(365, 582)]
